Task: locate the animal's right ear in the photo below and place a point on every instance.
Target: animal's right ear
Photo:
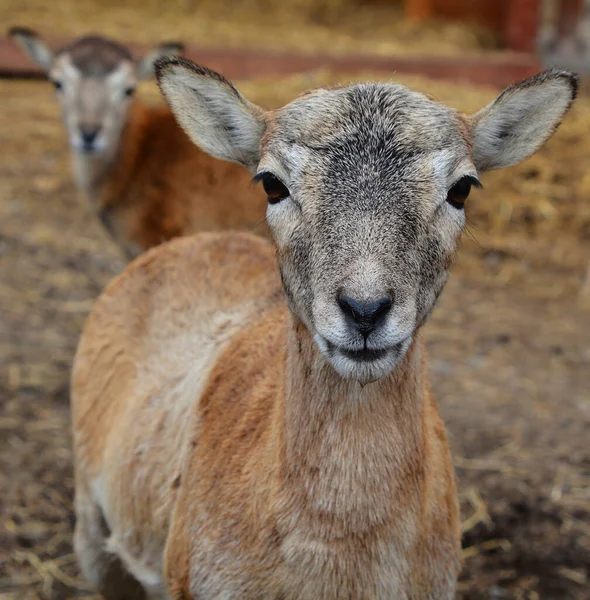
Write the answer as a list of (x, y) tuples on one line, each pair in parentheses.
[(212, 111), (33, 46)]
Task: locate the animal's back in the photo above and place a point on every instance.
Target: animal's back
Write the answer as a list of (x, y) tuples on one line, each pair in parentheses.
[(174, 188), (143, 358)]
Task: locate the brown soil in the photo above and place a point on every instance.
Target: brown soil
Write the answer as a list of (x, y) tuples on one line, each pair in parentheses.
[(509, 345)]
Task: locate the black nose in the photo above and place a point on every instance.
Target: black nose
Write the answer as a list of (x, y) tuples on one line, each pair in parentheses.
[(88, 134), (365, 316)]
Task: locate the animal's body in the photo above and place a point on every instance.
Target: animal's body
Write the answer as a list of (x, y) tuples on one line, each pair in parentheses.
[(162, 186), (275, 484), (138, 169), (243, 431)]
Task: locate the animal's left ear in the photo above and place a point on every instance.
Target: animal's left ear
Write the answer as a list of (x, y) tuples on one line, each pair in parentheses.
[(521, 119), (145, 65)]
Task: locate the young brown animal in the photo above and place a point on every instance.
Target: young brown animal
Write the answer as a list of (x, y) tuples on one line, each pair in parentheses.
[(141, 173), (236, 440)]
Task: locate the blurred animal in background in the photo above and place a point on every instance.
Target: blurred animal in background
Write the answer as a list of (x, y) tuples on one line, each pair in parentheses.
[(564, 34), (243, 435), (147, 182)]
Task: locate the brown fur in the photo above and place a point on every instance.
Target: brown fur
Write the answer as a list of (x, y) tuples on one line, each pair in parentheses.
[(241, 435), (162, 186), (281, 481), (145, 179)]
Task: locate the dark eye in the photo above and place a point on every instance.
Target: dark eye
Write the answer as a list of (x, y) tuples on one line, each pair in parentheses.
[(274, 188), (457, 195), (57, 84), (130, 91)]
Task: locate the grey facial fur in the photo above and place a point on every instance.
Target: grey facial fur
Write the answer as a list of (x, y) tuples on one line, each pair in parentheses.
[(95, 56), (366, 188), (95, 78), (368, 168)]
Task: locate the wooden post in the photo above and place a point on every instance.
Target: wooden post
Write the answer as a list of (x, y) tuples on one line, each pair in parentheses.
[(419, 9), (570, 12), (522, 25)]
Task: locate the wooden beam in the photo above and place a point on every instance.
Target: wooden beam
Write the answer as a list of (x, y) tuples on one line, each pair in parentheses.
[(419, 10), (496, 70), (522, 25), (569, 14)]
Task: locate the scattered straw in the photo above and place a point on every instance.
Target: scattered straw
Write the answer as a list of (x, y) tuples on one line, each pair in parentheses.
[(508, 347), (486, 547), (480, 513)]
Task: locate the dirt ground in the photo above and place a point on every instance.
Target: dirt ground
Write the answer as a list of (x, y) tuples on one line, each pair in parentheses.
[(509, 345)]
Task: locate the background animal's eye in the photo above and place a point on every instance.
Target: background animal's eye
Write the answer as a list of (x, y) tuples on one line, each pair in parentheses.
[(457, 195), (130, 91), (57, 84), (274, 188)]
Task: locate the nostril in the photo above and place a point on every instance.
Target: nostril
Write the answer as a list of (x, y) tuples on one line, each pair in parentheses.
[(349, 307), (89, 134), (381, 308), (365, 316)]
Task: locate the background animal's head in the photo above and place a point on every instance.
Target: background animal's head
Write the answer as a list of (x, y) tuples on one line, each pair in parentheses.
[(366, 187), (94, 78)]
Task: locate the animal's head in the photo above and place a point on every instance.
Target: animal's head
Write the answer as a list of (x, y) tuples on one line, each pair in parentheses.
[(366, 186), (95, 79)]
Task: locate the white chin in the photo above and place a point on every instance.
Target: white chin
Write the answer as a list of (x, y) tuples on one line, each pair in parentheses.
[(366, 371), (95, 150)]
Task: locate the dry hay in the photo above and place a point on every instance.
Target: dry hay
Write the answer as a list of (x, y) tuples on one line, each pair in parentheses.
[(334, 26), (510, 367)]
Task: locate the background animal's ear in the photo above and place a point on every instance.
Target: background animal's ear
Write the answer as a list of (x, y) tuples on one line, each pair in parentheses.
[(212, 111), (33, 46), (145, 65), (521, 119)]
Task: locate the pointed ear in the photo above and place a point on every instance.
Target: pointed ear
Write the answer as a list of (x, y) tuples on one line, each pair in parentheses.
[(145, 65), (521, 119), (33, 46), (212, 111)]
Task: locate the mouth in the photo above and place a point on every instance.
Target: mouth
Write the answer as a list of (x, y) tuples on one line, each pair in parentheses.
[(366, 365), (365, 355), (89, 149)]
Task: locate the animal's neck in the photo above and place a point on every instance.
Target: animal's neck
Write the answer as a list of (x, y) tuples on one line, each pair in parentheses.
[(91, 171), (354, 453), (104, 177)]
